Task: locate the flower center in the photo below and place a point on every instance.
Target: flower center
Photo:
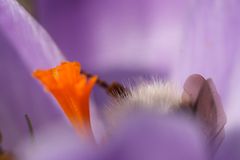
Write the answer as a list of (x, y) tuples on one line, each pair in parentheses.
[(72, 91)]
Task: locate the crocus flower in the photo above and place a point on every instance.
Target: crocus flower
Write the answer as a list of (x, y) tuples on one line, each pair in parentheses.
[(8, 7), (170, 38), (186, 37)]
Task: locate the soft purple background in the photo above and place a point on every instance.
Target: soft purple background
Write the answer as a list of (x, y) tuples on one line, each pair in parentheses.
[(170, 38), (115, 39)]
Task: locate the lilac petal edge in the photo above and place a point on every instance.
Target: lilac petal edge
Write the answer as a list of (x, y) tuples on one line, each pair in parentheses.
[(209, 110), (192, 87), (34, 45)]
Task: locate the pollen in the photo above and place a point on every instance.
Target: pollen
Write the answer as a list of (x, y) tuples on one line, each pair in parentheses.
[(72, 91)]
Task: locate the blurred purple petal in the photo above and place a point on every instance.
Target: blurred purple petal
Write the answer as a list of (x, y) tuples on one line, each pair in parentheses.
[(187, 36), (210, 45), (154, 138), (117, 40), (33, 44), (170, 37), (233, 111), (217, 141), (207, 106), (214, 103), (24, 46), (211, 48), (20, 95), (112, 35), (56, 142), (230, 147), (192, 87), (209, 109), (143, 137)]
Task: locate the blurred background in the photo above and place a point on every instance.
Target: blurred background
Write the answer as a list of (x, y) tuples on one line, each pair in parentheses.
[(168, 38), (125, 39)]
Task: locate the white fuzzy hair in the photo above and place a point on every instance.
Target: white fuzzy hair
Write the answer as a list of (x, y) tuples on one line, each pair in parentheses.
[(155, 96)]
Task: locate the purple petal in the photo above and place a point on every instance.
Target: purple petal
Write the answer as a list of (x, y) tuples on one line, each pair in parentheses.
[(144, 137), (230, 146), (217, 140), (114, 34), (192, 87), (211, 48), (25, 46), (233, 111), (182, 38), (154, 138), (207, 105), (171, 37), (33, 44), (117, 40), (209, 38), (56, 142), (210, 45)]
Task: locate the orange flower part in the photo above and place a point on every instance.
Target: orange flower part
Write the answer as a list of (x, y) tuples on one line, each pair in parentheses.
[(72, 91)]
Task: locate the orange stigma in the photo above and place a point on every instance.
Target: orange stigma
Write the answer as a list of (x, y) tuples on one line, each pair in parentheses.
[(72, 91)]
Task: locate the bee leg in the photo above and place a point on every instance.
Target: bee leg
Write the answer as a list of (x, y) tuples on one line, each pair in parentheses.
[(114, 89)]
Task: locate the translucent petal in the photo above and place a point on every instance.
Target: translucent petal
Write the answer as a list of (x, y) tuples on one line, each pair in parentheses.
[(34, 45)]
